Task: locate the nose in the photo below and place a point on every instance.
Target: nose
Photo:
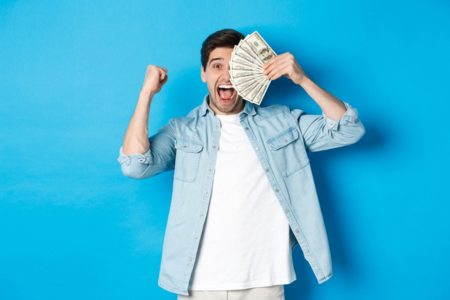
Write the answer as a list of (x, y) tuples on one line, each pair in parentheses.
[(226, 73)]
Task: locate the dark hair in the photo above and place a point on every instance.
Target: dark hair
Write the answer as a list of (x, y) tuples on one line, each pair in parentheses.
[(222, 38)]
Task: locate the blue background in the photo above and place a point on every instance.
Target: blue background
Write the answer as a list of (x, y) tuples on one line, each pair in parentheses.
[(73, 227)]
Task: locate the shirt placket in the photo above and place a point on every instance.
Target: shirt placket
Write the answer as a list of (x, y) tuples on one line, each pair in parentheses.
[(213, 147), (262, 156)]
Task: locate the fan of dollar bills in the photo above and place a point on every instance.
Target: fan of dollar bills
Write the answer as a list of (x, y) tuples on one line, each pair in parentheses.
[(246, 67)]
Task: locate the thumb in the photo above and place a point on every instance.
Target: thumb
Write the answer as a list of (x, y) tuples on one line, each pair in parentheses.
[(165, 79), (162, 75)]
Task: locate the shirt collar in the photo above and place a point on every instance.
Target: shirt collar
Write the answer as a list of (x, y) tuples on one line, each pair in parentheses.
[(249, 108)]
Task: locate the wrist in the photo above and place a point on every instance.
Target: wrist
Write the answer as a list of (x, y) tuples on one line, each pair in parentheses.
[(303, 81), (147, 93)]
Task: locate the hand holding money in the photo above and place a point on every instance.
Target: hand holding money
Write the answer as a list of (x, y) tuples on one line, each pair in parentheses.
[(284, 65), (254, 65)]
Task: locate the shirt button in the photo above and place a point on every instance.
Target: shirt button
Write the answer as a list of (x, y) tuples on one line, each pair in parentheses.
[(214, 147), (256, 148), (297, 231), (246, 128), (277, 190), (267, 170)]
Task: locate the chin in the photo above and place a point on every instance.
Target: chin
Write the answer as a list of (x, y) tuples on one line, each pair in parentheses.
[(227, 106)]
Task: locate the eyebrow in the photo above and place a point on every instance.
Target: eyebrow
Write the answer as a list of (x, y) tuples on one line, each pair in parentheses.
[(217, 58)]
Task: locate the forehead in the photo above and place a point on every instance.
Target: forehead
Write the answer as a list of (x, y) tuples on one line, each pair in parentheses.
[(221, 52)]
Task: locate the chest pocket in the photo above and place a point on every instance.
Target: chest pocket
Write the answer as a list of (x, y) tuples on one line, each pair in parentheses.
[(288, 151), (187, 160)]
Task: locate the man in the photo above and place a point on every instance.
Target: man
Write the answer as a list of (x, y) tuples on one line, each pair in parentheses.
[(243, 193)]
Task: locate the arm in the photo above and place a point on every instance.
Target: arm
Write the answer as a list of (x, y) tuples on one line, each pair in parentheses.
[(140, 156), (330, 105), (337, 126), (322, 133), (136, 135)]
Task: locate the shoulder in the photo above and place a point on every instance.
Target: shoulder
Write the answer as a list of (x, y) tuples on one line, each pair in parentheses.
[(283, 109), (271, 110), (278, 113), (188, 120)]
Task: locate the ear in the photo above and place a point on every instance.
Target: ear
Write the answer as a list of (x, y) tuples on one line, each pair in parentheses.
[(202, 74)]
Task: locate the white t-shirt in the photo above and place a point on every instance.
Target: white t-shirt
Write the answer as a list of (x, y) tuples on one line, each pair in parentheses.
[(245, 241)]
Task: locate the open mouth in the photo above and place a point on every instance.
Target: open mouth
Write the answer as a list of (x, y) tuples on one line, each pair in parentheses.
[(226, 92)]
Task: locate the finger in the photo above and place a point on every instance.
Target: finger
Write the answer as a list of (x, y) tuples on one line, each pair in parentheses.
[(284, 62), (271, 62), (278, 75), (279, 68), (283, 72), (165, 79), (276, 63), (162, 73), (280, 57), (270, 67)]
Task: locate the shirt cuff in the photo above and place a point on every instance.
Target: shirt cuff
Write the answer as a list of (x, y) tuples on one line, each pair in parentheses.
[(127, 159), (350, 116)]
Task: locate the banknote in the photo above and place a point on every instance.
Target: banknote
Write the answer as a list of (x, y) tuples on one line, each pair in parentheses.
[(260, 46), (246, 67)]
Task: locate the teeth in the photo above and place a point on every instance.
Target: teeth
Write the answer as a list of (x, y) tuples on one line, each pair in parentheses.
[(225, 86)]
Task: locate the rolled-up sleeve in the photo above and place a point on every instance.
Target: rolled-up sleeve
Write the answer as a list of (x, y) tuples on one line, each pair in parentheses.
[(158, 158), (320, 132)]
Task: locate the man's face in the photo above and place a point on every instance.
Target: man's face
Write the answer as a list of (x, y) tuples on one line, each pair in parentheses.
[(223, 97)]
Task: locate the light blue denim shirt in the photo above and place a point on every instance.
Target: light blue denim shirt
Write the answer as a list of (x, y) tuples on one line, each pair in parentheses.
[(281, 138)]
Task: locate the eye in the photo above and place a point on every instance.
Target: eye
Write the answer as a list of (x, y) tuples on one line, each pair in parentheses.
[(217, 66)]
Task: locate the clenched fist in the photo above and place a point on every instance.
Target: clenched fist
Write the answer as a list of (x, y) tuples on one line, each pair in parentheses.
[(155, 78)]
